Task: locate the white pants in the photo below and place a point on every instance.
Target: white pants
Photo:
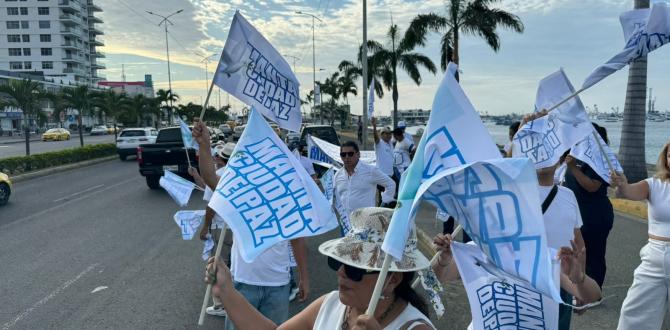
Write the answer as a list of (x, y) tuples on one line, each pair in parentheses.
[(647, 299)]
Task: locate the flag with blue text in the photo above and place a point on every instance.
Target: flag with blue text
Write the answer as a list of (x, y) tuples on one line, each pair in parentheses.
[(545, 139), (265, 194), (177, 187), (589, 152), (455, 135), (189, 222), (254, 72), (497, 203), (648, 35), (500, 301), (186, 136)]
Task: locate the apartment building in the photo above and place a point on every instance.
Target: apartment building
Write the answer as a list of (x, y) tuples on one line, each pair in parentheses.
[(57, 38)]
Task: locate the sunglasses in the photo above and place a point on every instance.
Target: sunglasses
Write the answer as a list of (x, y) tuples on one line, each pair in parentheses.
[(347, 154), (353, 273)]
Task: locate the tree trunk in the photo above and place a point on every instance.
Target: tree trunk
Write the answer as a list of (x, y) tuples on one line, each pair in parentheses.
[(632, 150), (456, 57), (26, 130), (115, 132), (395, 98), (81, 133)]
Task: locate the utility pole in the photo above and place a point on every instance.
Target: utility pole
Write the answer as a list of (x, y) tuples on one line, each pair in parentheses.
[(313, 61), (364, 61), (165, 20), (294, 58)]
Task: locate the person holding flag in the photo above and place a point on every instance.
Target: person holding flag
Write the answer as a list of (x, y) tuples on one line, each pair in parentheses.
[(647, 300), (356, 259)]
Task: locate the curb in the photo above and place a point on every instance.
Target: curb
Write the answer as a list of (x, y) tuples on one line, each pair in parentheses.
[(59, 169), (18, 141)]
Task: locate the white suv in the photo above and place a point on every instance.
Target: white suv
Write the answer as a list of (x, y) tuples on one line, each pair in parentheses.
[(131, 138)]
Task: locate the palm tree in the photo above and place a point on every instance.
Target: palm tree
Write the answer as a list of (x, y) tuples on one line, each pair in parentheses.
[(466, 17), (58, 105), (385, 61), (167, 97), (331, 87), (80, 98), (111, 104), (28, 96), (137, 107), (355, 71), (632, 150)]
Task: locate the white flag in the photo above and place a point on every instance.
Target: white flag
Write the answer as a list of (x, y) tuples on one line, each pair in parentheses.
[(371, 99), (326, 152), (647, 36), (545, 139), (500, 301), (588, 151), (177, 187), (187, 136), (189, 222), (265, 194), (254, 72)]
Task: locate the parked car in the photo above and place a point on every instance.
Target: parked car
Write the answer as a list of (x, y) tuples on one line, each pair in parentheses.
[(237, 132), (292, 138), (227, 131), (131, 138), (5, 188), (112, 130), (218, 134), (323, 132), (99, 130), (56, 134), (166, 154)]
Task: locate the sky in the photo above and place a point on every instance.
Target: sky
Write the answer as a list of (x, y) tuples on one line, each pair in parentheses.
[(577, 35)]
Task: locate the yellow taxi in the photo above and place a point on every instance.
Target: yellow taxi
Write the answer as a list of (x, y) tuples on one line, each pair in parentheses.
[(56, 134), (5, 188)]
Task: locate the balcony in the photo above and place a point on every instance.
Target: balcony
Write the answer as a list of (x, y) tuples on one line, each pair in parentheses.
[(99, 55), (97, 42), (73, 59), (92, 19), (69, 6), (94, 31), (70, 32), (69, 45), (98, 66), (93, 7), (75, 71), (69, 19)]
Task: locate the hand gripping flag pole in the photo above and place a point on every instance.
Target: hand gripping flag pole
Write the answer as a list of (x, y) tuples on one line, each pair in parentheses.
[(433, 261), (208, 292)]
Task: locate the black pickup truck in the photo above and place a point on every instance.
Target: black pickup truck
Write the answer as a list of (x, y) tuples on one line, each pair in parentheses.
[(167, 154)]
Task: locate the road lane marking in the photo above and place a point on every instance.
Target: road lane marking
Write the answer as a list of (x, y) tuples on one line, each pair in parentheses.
[(78, 193), (46, 299), (67, 202)]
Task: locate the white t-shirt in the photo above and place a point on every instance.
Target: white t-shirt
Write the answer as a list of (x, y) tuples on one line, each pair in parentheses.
[(270, 268), (384, 157), (658, 210), (207, 195), (307, 164), (401, 155), (562, 217)]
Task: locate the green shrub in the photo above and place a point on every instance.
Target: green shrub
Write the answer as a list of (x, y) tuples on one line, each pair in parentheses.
[(16, 165)]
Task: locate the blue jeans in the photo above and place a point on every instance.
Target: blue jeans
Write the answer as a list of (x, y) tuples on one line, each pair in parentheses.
[(271, 301)]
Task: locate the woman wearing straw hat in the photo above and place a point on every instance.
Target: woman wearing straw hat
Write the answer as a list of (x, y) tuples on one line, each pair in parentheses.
[(357, 259)]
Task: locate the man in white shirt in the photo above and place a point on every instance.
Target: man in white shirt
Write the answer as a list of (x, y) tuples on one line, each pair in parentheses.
[(401, 152), (408, 137), (383, 148), (265, 281), (356, 182)]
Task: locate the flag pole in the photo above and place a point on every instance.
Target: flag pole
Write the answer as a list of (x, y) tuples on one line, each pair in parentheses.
[(208, 292), (602, 151), (209, 93), (381, 280), (433, 261), (567, 99)]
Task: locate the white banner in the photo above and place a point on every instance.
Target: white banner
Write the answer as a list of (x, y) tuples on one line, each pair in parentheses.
[(498, 205), (265, 194), (499, 301), (371, 99), (325, 152), (544, 140), (189, 222), (588, 151), (177, 187), (647, 35), (254, 72)]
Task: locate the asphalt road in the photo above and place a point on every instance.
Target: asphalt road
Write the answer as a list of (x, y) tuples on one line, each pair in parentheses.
[(37, 147), (66, 235)]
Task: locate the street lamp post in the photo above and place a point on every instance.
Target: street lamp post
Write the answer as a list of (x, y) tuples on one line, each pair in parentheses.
[(165, 20), (206, 60), (313, 58), (364, 60)]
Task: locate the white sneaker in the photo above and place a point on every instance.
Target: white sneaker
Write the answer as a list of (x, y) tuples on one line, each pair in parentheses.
[(293, 294), (216, 311)]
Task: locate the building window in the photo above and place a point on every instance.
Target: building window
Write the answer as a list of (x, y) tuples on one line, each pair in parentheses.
[(46, 51), (11, 11), (25, 25), (45, 38), (14, 51), (27, 65), (26, 52), (47, 65), (13, 38), (15, 66), (24, 11), (25, 37), (42, 10), (12, 25), (45, 24)]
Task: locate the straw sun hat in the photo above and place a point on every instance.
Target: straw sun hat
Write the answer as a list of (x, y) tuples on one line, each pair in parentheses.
[(362, 246)]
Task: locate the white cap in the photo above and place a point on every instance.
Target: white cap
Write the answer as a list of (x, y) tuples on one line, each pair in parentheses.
[(402, 124), (226, 151)]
